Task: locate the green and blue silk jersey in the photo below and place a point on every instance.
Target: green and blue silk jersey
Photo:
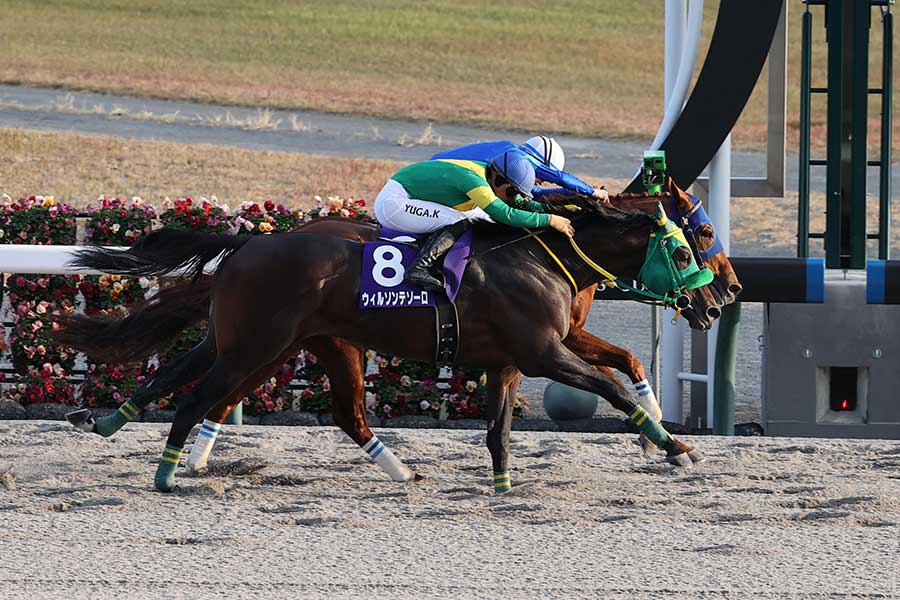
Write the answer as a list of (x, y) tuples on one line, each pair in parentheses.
[(485, 151), (462, 185)]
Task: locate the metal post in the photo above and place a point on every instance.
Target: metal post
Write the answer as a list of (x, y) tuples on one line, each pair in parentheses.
[(856, 85), (803, 177), (236, 417), (724, 369), (671, 339), (720, 215), (884, 188), (834, 16)]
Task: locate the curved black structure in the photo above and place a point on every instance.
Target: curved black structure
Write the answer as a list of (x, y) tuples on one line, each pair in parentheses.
[(737, 52)]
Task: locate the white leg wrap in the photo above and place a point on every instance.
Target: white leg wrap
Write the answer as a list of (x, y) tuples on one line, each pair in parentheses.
[(206, 438), (379, 453), (647, 399)]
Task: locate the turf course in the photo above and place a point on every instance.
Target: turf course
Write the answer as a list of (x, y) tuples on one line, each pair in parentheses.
[(577, 66)]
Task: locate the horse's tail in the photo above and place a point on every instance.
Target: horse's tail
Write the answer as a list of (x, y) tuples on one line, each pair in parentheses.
[(161, 252), (149, 328)]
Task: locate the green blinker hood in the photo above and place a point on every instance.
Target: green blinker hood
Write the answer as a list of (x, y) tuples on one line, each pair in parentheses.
[(659, 273)]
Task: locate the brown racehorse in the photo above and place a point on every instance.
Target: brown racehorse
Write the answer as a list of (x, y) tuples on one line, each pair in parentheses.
[(315, 326)]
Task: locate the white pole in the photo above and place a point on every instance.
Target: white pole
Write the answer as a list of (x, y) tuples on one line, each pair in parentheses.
[(720, 214), (671, 363)]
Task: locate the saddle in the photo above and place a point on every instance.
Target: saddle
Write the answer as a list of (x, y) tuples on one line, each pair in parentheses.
[(382, 285)]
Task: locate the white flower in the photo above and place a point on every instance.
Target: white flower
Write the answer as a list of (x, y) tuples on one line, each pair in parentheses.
[(144, 282), (371, 399), (116, 227), (470, 386), (248, 225), (405, 381)]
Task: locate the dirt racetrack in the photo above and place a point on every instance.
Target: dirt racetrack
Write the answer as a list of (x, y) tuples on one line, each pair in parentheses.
[(299, 512)]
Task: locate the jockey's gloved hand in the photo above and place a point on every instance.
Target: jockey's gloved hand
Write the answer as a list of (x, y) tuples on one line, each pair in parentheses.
[(562, 225), (602, 195)]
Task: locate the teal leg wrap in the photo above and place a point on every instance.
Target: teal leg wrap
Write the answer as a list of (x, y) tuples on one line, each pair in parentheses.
[(649, 427), (108, 425), (165, 472), (501, 482)]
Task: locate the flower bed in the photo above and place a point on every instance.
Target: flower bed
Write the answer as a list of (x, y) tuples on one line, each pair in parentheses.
[(396, 387)]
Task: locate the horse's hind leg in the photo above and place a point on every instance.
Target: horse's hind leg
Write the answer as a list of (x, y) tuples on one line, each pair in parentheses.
[(345, 364), (212, 422), (501, 389), (226, 377), (170, 376)]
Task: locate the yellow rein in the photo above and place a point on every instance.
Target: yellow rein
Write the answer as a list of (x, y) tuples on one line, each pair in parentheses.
[(608, 278)]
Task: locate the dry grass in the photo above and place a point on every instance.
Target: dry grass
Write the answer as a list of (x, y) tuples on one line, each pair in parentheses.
[(595, 67), (78, 168)]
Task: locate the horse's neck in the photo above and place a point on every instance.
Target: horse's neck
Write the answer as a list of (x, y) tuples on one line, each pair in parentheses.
[(620, 252)]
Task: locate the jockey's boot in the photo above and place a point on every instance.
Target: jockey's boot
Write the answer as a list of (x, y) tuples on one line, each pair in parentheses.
[(438, 243)]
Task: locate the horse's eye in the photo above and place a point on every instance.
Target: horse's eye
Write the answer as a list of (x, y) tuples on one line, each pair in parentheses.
[(682, 258), (705, 236)]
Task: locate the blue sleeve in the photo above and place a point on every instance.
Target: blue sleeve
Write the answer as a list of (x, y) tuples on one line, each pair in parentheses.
[(482, 152), (538, 191), (566, 180)]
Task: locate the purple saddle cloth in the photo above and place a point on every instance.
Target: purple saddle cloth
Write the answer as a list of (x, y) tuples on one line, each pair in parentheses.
[(385, 262)]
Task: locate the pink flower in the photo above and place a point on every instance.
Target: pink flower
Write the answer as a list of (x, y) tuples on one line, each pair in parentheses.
[(424, 405), (345, 213)]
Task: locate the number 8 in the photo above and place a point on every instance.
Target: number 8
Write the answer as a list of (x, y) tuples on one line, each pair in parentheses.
[(383, 263)]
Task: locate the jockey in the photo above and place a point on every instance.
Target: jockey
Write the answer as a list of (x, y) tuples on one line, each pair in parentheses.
[(439, 197), (546, 156)]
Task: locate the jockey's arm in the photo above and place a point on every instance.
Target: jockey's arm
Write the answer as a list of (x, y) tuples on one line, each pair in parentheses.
[(568, 181), (501, 212)]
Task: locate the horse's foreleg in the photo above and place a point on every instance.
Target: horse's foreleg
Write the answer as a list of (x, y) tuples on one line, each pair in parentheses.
[(561, 364), (602, 355), (345, 364), (501, 389)]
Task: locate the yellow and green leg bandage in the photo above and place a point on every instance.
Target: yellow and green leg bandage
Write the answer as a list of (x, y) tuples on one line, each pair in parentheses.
[(108, 425), (165, 472), (502, 482), (649, 427)]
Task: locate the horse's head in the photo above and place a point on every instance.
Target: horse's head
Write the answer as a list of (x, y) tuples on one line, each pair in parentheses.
[(658, 257), (709, 250)]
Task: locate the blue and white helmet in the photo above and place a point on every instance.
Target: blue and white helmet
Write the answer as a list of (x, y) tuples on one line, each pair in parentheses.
[(546, 151), (514, 166)]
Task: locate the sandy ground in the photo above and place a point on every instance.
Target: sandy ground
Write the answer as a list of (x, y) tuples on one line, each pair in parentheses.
[(300, 512)]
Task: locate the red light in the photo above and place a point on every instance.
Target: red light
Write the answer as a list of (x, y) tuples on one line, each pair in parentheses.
[(844, 405)]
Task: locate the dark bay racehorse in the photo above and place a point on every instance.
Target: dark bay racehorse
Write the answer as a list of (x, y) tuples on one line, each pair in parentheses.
[(300, 290)]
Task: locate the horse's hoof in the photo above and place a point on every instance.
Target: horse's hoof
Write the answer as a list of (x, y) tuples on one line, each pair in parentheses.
[(649, 448), (196, 468), (164, 484), (696, 456), (81, 419), (682, 460)]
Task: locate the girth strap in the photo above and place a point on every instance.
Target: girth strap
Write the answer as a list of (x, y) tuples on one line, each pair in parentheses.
[(446, 321)]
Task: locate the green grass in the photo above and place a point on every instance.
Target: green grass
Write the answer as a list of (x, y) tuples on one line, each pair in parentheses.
[(586, 66)]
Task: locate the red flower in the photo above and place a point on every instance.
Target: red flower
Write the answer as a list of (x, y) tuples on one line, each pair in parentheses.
[(269, 206)]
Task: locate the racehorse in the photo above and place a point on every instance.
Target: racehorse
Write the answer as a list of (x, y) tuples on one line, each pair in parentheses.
[(239, 341)]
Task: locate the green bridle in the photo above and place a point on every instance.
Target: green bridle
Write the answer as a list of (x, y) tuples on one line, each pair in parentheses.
[(659, 280)]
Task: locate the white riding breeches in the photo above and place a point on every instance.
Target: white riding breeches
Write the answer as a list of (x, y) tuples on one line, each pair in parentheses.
[(395, 209)]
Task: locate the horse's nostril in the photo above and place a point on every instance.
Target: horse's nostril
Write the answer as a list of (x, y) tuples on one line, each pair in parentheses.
[(735, 288), (713, 312)]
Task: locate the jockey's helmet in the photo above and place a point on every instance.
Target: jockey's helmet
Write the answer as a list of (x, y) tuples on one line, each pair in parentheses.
[(546, 151), (514, 166)]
